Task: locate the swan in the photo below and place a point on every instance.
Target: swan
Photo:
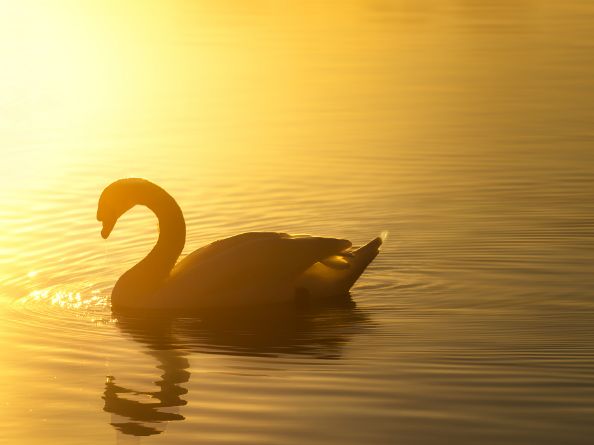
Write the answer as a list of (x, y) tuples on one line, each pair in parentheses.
[(246, 269)]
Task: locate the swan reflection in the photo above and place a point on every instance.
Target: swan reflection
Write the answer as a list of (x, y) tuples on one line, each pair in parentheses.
[(140, 413), (314, 332)]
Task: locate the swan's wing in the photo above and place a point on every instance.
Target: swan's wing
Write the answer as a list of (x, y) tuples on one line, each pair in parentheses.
[(253, 259), (212, 250)]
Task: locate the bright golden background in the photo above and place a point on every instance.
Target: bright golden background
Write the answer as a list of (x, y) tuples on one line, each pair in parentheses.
[(464, 128)]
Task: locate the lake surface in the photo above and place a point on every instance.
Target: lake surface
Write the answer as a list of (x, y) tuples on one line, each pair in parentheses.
[(464, 128)]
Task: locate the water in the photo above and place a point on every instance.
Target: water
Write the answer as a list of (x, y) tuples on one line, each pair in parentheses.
[(465, 129)]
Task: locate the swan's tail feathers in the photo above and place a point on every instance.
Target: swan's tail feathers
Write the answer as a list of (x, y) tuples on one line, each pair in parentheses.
[(361, 258)]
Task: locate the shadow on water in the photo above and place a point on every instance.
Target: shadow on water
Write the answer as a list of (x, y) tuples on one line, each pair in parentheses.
[(318, 332)]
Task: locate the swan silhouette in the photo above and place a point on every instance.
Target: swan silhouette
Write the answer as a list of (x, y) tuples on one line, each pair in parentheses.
[(246, 269)]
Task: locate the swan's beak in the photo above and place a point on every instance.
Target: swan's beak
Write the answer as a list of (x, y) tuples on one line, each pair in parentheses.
[(107, 228)]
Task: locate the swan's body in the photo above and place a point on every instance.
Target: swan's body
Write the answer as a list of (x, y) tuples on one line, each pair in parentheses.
[(251, 268)]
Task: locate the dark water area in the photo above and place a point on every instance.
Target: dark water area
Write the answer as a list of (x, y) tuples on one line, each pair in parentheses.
[(464, 129)]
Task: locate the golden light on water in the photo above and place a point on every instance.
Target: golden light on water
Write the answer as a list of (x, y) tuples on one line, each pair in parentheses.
[(52, 78), (461, 129), (75, 70), (64, 299)]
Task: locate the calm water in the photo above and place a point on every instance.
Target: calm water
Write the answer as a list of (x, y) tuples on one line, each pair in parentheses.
[(465, 129)]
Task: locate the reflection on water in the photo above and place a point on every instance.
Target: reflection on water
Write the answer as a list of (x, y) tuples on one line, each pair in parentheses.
[(139, 413), (318, 331)]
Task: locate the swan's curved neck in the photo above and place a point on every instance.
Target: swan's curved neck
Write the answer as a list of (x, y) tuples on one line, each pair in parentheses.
[(172, 231), (145, 276)]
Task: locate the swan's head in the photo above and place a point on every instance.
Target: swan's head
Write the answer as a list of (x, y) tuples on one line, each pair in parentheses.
[(117, 198)]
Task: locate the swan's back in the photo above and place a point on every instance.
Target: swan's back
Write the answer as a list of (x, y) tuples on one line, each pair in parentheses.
[(266, 267)]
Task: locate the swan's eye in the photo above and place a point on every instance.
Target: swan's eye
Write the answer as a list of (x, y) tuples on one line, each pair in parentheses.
[(104, 216)]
